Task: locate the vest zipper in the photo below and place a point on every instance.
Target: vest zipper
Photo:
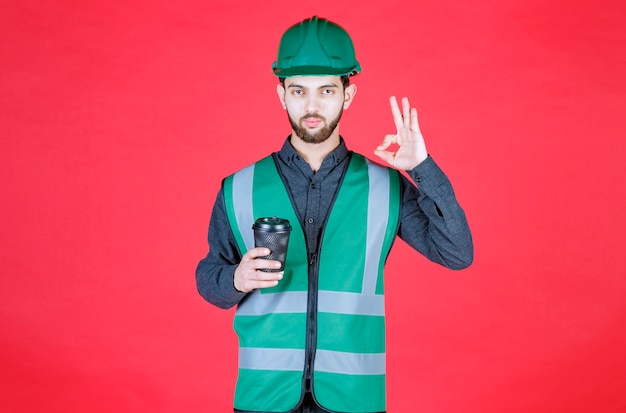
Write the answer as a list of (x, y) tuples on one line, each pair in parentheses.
[(311, 322)]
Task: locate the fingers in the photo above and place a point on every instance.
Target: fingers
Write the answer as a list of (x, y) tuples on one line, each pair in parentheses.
[(406, 108), (404, 119), (380, 151), (254, 260), (411, 150), (395, 112), (386, 156), (415, 126), (254, 253), (257, 279), (247, 275)]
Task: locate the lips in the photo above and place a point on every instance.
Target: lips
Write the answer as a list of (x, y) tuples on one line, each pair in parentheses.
[(312, 122)]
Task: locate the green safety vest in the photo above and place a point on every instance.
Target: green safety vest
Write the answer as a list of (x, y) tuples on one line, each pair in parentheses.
[(348, 358)]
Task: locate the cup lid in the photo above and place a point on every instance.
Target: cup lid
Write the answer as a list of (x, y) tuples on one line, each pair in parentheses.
[(272, 224)]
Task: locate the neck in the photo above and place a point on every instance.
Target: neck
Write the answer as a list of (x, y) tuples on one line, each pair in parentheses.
[(314, 153)]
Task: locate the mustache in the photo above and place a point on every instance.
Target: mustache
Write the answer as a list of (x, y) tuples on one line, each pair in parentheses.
[(312, 116)]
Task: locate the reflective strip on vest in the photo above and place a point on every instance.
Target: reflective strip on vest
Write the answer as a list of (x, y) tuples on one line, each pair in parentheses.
[(271, 359), (325, 360), (242, 204), (257, 304), (349, 363), (378, 213)]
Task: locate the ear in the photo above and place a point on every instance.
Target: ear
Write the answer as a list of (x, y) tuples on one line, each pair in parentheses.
[(280, 90), (348, 95)]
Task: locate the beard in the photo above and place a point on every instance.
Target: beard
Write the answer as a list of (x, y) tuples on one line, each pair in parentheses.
[(319, 136)]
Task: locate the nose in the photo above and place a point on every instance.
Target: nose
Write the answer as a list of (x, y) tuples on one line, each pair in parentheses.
[(312, 105)]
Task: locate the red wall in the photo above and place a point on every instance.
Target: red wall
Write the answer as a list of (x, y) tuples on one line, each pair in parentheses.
[(118, 120)]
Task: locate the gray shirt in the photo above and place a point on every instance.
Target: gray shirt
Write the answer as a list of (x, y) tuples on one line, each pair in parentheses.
[(431, 220)]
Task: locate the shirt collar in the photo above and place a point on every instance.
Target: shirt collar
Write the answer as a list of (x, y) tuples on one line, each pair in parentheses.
[(287, 153)]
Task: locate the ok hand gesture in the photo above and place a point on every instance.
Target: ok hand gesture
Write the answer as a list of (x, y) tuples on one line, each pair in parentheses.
[(411, 149)]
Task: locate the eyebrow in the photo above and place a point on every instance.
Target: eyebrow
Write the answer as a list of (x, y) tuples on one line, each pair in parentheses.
[(320, 87)]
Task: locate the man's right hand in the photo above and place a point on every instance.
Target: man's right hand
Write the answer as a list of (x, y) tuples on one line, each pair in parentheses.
[(248, 278)]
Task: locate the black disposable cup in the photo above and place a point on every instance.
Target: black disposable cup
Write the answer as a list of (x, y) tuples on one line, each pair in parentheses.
[(272, 233)]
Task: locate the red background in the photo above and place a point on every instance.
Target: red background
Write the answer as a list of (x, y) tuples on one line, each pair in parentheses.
[(119, 119)]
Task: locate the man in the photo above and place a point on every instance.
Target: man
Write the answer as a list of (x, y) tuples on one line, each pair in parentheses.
[(312, 337)]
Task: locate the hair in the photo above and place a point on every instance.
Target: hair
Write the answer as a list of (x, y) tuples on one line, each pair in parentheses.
[(345, 81)]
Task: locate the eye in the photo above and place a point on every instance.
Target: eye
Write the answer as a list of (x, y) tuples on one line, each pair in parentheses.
[(328, 91), (297, 92)]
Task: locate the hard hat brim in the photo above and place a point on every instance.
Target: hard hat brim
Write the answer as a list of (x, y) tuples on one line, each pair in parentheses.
[(315, 71)]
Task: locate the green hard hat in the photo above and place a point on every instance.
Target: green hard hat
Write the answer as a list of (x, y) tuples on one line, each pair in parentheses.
[(316, 46)]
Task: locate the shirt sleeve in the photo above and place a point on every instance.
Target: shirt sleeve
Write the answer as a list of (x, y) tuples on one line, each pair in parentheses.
[(432, 221), (214, 274)]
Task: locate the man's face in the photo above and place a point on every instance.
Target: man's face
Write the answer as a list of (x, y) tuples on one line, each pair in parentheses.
[(314, 105)]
